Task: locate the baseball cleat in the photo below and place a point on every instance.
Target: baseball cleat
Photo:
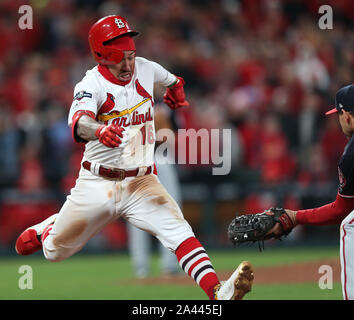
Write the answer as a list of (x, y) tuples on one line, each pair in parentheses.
[(30, 240), (237, 285)]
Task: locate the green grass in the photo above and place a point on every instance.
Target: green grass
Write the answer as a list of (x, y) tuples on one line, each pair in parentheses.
[(110, 277)]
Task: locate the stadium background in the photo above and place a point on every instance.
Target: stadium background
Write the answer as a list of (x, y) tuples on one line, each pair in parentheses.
[(262, 68)]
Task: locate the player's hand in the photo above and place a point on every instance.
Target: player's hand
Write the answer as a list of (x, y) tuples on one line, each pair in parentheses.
[(110, 135), (277, 229), (175, 96)]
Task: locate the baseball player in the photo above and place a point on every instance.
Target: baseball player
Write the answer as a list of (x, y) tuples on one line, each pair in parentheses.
[(112, 113), (342, 209)]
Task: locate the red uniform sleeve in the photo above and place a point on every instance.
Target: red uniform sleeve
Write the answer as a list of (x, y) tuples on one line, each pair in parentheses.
[(332, 213)]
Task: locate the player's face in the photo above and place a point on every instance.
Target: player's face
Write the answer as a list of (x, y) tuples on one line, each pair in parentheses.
[(124, 70), (345, 123)]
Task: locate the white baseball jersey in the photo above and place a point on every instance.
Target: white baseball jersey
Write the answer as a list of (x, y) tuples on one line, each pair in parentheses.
[(129, 106)]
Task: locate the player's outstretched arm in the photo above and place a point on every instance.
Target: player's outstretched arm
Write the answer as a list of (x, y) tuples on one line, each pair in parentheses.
[(329, 214)]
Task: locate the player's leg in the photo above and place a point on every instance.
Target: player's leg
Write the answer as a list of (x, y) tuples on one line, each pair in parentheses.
[(206, 278), (347, 257), (30, 240), (89, 207), (194, 260), (151, 208), (74, 226)]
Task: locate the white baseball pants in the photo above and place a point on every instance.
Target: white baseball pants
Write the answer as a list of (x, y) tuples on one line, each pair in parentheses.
[(95, 201)]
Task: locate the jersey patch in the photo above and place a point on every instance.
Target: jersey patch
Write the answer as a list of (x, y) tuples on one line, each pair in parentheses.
[(82, 94)]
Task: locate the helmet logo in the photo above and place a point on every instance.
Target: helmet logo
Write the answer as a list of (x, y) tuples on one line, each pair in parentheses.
[(120, 24)]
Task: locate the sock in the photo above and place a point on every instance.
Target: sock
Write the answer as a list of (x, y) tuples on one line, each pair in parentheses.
[(194, 261)]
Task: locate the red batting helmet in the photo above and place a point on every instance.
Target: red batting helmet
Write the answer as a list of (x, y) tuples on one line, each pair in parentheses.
[(104, 30)]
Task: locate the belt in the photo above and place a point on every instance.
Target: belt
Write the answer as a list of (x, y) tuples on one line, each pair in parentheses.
[(119, 174)]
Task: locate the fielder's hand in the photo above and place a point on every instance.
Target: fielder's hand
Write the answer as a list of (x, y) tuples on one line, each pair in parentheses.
[(277, 230), (174, 96), (110, 135), (273, 223)]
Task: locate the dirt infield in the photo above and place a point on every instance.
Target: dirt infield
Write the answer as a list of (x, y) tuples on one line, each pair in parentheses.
[(308, 272), (297, 273)]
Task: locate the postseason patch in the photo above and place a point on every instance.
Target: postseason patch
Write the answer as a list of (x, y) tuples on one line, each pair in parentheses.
[(82, 94)]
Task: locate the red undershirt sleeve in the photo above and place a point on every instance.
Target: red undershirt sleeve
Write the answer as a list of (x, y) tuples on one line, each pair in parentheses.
[(332, 213)]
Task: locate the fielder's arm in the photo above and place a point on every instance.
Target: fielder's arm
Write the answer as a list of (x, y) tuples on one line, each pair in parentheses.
[(329, 214)]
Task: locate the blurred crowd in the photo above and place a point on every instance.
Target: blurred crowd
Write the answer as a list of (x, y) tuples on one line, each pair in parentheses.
[(263, 68)]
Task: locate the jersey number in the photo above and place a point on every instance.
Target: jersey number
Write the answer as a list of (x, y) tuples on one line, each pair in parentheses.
[(147, 132)]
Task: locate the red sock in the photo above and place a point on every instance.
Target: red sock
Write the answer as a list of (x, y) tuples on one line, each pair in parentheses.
[(194, 260)]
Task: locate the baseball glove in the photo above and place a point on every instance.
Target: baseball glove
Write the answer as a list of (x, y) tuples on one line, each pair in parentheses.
[(254, 227)]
